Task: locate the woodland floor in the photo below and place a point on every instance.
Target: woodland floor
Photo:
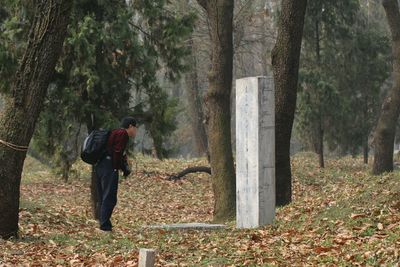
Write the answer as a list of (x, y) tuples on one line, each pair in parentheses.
[(340, 216)]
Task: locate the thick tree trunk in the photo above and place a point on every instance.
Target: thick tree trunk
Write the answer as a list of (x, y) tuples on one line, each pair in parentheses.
[(220, 15), (320, 122), (91, 125), (285, 62), (94, 195), (385, 131), (196, 106), (18, 120)]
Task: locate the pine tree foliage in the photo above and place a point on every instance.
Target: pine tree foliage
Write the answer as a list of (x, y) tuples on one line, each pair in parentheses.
[(114, 50)]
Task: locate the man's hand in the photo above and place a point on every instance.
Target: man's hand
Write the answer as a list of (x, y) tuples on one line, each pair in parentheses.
[(127, 172)]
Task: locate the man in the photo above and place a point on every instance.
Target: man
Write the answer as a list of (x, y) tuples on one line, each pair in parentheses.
[(107, 170)]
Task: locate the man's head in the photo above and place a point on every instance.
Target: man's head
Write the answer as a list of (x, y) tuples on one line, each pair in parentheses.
[(129, 124)]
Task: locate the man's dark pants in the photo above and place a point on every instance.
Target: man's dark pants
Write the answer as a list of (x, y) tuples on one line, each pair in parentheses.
[(107, 186)]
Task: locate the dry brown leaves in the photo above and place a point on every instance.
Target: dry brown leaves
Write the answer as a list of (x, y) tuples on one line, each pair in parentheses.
[(340, 216)]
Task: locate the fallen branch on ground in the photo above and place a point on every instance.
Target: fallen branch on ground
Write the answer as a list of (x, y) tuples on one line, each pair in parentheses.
[(190, 170)]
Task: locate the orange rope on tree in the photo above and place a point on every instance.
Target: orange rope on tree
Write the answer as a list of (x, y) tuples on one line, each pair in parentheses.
[(14, 147)]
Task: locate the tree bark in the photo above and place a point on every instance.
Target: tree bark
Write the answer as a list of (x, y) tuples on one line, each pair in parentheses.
[(157, 150), (320, 130), (220, 15), (66, 167), (91, 124), (285, 62), (365, 149), (196, 106), (94, 195), (23, 106), (365, 126), (321, 145), (385, 130)]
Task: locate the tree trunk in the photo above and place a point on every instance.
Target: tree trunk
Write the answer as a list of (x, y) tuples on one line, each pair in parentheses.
[(365, 150), (196, 106), (157, 149), (220, 15), (365, 126), (66, 167), (321, 145), (386, 127), (23, 106), (285, 62), (94, 194), (320, 122)]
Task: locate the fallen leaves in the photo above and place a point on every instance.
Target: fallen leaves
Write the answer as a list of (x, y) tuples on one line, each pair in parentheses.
[(355, 216), (339, 216), (320, 250)]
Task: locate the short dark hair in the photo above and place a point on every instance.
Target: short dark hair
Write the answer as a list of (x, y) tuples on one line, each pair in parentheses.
[(125, 122)]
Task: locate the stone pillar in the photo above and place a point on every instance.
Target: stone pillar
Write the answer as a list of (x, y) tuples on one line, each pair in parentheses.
[(147, 257), (255, 152)]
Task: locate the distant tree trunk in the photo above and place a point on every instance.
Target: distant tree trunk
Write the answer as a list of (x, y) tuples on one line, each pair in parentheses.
[(157, 149), (386, 127), (22, 109), (320, 122), (220, 15), (285, 62), (196, 106), (265, 46), (66, 167), (365, 149), (365, 126), (321, 145)]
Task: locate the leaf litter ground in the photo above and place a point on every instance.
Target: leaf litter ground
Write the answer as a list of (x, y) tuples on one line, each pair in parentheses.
[(340, 216)]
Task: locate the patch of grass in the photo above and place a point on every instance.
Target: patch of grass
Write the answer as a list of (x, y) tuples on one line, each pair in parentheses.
[(328, 260), (214, 261), (62, 239), (110, 243), (370, 231), (393, 236), (373, 261), (334, 213), (29, 205), (36, 172)]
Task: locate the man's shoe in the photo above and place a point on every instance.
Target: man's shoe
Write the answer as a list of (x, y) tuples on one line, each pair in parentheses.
[(103, 231)]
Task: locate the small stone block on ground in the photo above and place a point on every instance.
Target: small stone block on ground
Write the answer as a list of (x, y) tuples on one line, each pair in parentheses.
[(187, 226), (147, 257)]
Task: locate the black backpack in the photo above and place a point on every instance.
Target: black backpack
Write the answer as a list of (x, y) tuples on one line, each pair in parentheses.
[(94, 147)]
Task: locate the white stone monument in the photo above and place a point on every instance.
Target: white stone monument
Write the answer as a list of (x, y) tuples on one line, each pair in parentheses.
[(255, 152), (147, 257)]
